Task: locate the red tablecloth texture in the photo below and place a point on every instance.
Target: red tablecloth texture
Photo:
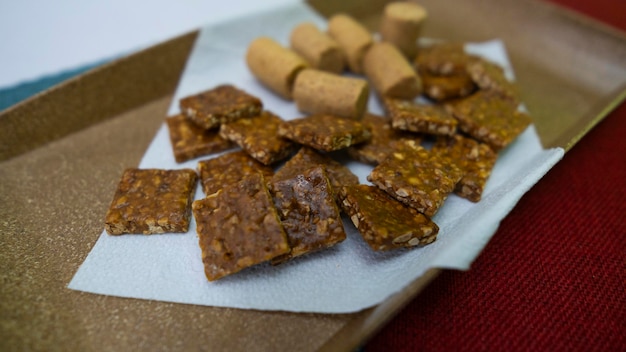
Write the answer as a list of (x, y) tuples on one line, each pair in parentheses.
[(553, 278)]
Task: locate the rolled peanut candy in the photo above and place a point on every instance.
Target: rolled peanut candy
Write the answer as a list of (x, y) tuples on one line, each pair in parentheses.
[(274, 65), (318, 92), (317, 48), (353, 39), (401, 25), (390, 72)]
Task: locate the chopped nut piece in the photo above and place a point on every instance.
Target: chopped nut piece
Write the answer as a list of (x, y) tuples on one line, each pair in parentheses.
[(227, 169), (308, 213), (490, 118), (384, 222), (383, 140), (409, 116), (325, 132), (238, 227), (416, 177), (190, 141), (339, 175), (259, 138), (151, 201), (219, 105), (475, 159)]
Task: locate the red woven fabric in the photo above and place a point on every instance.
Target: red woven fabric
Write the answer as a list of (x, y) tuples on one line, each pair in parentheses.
[(553, 276)]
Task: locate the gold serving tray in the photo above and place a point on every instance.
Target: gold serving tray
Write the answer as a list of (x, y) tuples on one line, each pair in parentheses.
[(62, 151)]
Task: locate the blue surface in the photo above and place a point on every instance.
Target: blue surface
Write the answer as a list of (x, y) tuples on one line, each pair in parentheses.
[(12, 95)]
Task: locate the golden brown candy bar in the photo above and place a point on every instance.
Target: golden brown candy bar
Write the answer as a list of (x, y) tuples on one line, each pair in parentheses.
[(490, 118), (384, 138), (417, 177), (408, 116), (229, 168), (443, 59), (150, 201), (385, 223), (325, 132), (238, 227), (308, 213), (475, 159), (258, 136), (219, 105), (317, 48), (338, 174), (446, 87), (190, 141), (490, 76)]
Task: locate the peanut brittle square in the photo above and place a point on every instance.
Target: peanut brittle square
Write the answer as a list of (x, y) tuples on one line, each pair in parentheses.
[(190, 141), (446, 87), (258, 136), (150, 201), (384, 137), (443, 59), (385, 223), (339, 175), (308, 213), (490, 118), (325, 132), (219, 105), (238, 227), (475, 159), (227, 169), (409, 116), (490, 76), (416, 177)]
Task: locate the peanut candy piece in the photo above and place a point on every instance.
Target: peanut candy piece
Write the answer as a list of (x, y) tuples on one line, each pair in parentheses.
[(385, 223), (490, 118), (339, 175), (475, 159), (151, 201), (416, 177), (227, 169), (238, 227), (190, 141), (308, 213), (445, 87), (490, 76), (443, 59), (409, 116), (258, 136), (325, 132), (384, 138), (219, 105)]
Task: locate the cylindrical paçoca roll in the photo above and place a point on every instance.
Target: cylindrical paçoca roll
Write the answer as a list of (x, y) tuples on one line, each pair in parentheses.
[(353, 39), (318, 92), (401, 25), (390, 72), (320, 50), (274, 65)]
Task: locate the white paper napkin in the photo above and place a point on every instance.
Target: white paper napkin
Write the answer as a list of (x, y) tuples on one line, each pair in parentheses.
[(346, 278)]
